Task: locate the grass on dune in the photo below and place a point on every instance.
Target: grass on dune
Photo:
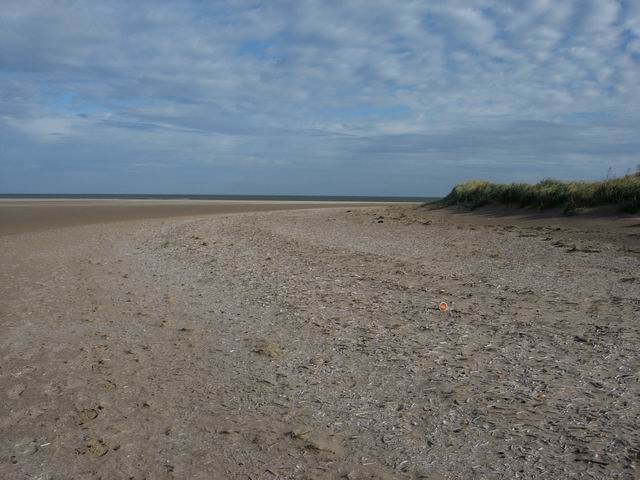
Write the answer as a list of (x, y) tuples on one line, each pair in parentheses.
[(623, 192)]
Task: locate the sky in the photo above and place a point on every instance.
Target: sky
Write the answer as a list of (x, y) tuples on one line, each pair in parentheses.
[(348, 97)]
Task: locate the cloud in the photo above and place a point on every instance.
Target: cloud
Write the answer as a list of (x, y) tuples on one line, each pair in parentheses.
[(283, 96)]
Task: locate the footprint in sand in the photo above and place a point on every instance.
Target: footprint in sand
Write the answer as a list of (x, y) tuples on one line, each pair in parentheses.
[(106, 384), (87, 415), (25, 446), (94, 446), (317, 441), (15, 391), (268, 349)]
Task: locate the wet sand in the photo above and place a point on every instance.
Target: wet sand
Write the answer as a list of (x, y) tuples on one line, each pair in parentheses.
[(30, 215), (307, 344)]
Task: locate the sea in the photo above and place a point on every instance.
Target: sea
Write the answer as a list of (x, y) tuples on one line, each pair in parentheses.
[(295, 198)]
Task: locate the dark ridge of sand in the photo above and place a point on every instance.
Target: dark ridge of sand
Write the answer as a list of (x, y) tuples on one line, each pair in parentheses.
[(597, 224), (22, 216), (595, 217)]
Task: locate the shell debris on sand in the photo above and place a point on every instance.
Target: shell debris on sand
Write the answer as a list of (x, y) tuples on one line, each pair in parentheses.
[(200, 362)]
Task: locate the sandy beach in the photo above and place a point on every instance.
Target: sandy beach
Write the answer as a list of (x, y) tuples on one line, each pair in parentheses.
[(29, 215), (307, 344)]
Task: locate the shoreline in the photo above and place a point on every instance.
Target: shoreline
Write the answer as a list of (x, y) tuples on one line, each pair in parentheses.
[(32, 215)]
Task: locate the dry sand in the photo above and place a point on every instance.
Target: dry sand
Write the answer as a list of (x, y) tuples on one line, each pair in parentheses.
[(306, 344)]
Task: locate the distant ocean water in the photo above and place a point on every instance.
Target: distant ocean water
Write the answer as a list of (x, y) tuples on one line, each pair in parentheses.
[(295, 198)]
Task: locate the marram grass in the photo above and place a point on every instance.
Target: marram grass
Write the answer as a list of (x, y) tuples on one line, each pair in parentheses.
[(623, 192)]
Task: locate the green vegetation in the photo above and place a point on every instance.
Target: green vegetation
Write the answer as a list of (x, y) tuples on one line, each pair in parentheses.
[(623, 192)]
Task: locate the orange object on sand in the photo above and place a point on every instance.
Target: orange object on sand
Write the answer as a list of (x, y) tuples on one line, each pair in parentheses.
[(443, 307)]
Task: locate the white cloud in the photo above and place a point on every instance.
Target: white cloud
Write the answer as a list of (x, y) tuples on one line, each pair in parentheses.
[(247, 82)]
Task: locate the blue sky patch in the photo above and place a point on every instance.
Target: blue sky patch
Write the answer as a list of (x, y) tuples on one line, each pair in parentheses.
[(395, 98)]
